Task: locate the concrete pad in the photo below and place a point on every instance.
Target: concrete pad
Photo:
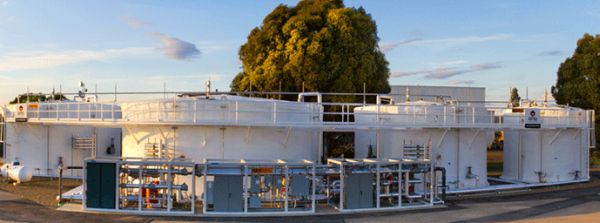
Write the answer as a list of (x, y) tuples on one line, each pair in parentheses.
[(6, 196), (581, 211), (462, 212), (71, 207)]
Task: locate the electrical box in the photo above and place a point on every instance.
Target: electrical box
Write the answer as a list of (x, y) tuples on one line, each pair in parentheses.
[(299, 186), (209, 192), (254, 202), (358, 191), (255, 184), (227, 193), (100, 185)]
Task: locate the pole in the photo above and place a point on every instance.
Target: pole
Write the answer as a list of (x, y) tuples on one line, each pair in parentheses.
[(364, 93), (60, 173), (115, 93)]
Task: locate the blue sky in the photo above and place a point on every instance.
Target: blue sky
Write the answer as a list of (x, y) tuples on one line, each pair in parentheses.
[(142, 45)]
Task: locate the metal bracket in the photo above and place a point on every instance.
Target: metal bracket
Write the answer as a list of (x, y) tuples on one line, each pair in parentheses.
[(162, 133), (248, 135), (576, 133), (442, 138), (474, 137), (555, 136), (287, 137), (128, 128)]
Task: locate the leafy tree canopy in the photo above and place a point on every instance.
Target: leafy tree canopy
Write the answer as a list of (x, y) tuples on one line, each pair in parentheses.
[(23, 98), (514, 97), (320, 44), (578, 81), (579, 76)]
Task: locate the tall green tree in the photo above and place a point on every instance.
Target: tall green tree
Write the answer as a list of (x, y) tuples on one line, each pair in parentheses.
[(320, 45), (578, 78), (514, 97)]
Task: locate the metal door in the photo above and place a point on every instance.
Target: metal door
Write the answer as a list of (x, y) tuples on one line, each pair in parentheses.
[(366, 191), (352, 191), (235, 193), (221, 193)]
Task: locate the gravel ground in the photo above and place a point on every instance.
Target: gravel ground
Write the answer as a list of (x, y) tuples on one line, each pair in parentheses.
[(41, 190)]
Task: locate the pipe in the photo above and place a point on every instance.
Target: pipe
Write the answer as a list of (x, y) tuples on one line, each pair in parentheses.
[(155, 186), (60, 173), (153, 172), (443, 170), (515, 186)]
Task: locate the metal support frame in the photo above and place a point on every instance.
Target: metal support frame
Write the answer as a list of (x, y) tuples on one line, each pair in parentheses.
[(246, 165), (139, 165), (375, 166)]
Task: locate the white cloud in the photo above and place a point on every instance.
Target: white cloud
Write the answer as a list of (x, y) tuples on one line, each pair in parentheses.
[(468, 39), (211, 46), (450, 63), (177, 49), (550, 53), (173, 48), (51, 59), (194, 77), (4, 3), (386, 47), (134, 22), (446, 72), (461, 82), (446, 41)]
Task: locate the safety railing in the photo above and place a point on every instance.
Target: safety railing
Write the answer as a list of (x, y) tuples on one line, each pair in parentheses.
[(69, 111), (274, 112), (222, 111)]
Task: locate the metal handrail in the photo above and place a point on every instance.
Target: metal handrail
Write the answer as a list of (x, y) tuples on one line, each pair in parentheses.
[(284, 112)]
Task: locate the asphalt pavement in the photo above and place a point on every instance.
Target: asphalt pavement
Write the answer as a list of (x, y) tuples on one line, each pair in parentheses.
[(573, 203)]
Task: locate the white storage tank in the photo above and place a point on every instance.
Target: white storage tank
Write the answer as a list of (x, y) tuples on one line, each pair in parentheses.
[(221, 109), (462, 151), (222, 127), (557, 152), (41, 140), (19, 173)]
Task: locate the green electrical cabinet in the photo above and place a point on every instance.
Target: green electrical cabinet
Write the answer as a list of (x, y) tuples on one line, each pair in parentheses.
[(101, 184), (228, 193), (358, 191)]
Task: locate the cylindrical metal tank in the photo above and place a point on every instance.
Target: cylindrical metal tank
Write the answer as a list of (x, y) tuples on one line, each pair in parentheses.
[(462, 151), (16, 173), (19, 173), (543, 155), (224, 127), (222, 109)]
